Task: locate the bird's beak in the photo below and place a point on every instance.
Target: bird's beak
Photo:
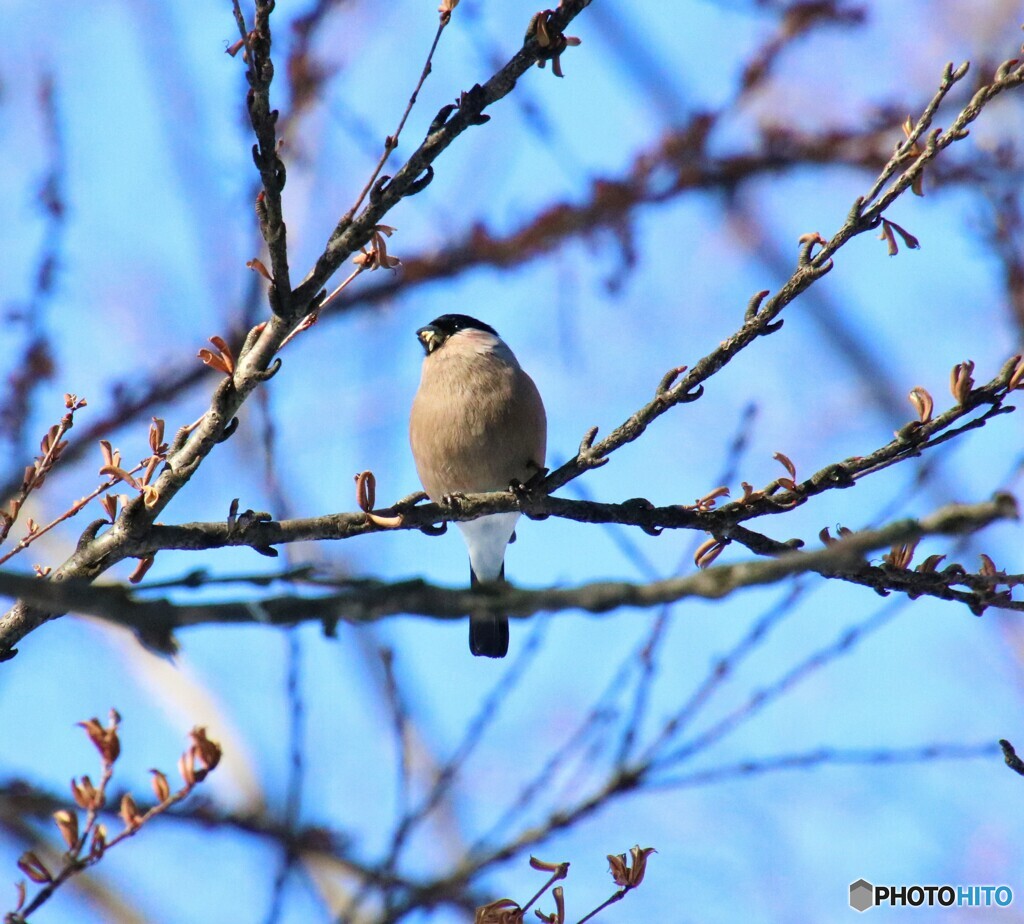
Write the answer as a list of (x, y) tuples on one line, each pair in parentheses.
[(430, 337)]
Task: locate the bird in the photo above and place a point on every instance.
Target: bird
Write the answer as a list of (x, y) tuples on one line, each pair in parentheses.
[(477, 424)]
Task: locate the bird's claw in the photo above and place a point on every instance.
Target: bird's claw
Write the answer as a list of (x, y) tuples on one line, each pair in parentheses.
[(522, 489), (453, 500)]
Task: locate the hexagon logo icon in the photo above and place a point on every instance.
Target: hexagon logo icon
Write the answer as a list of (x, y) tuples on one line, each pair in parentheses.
[(862, 895)]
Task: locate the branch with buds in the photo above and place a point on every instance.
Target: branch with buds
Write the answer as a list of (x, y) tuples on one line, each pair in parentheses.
[(761, 317), (552, 41), (109, 502), (52, 447), (86, 839), (628, 874), (361, 601)]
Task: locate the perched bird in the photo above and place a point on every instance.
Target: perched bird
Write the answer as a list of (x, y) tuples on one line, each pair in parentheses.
[(477, 424)]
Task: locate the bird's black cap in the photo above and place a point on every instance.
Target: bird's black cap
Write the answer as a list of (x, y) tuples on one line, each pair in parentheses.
[(437, 332), (449, 324)]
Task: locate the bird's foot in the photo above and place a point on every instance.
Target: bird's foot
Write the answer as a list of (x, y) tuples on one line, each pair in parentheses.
[(522, 489), (453, 500)]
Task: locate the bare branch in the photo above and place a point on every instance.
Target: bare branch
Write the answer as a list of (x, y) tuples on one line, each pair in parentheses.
[(366, 600), (260, 73)]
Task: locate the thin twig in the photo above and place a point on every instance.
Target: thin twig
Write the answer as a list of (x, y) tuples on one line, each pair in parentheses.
[(260, 74), (73, 510), (391, 142)]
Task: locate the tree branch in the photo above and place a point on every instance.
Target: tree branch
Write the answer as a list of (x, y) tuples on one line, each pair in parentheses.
[(269, 210), (368, 600)]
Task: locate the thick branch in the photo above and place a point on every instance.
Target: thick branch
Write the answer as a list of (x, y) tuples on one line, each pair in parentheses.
[(367, 601)]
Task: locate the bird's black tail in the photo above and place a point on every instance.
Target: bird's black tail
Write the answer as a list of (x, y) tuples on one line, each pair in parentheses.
[(488, 632)]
